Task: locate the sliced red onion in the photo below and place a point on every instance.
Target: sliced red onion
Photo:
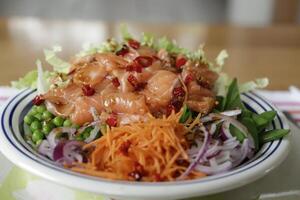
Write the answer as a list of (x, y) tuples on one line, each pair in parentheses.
[(94, 123), (58, 151), (213, 128), (93, 134), (242, 153), (200, 154), (209, 170), (52, 135), (232, 113), (72, 151), (46, 149), (225, 129)]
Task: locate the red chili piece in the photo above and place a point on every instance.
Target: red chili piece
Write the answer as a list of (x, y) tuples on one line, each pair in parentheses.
[(134, 67), (133, 80), (115, 82), (38, 100), (180, 62), (189, 78), (144, 61), (134, 44), (112, 121), (178, 92), (88, 90), (123, 51)]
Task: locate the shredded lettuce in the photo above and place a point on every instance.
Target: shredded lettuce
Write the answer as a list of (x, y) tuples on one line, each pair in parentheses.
[(222, 84), (111, 45), (28, 81), (252, 85), (125, 33), (148, 40), (220, 60), (58, 64), (41, 83)]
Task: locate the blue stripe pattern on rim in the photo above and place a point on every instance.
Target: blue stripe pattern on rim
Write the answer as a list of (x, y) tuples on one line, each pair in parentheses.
[(12, 137)]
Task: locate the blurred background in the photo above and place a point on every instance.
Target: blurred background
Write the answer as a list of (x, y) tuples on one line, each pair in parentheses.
[(262, 37)]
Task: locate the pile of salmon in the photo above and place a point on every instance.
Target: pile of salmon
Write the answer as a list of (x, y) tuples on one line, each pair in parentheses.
[(131, 83)]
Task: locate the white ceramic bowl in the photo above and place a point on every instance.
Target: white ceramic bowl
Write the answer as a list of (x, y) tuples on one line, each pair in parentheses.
[(19, 152)]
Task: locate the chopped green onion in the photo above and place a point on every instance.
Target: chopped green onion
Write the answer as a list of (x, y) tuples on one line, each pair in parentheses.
[(35, 125), (67, 123), (28, 119), (47, 115), (37, 135)]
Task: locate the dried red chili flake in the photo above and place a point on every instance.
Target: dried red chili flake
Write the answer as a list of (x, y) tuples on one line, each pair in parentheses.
[(176, 103), (123, 51), (144, 61), (124, 147), (38, 100), (169, 109), (133, 80), (88, 90), (134, 67), (180, 62), (178, 92), (112, 121), (133, 44), (137, 176), (189, 78), (115, 82)]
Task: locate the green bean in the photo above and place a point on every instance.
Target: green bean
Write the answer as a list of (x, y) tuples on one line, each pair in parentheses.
[(28, 119), (58, 121), (35, 125), (67, 123), (37, 135)]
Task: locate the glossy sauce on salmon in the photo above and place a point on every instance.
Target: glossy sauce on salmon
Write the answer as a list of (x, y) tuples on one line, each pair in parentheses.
[(132, 84)]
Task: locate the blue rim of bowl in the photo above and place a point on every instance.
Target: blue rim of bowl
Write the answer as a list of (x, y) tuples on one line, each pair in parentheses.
[(270, 149)]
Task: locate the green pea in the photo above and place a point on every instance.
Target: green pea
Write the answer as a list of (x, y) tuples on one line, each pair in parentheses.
[(39, 116), (39, 142), (47, 128), (86, 134), (37, 135), (41, 108), (35, 125), (58, 121), (47, 115), (67, 123), (33, 110), (28, 119)]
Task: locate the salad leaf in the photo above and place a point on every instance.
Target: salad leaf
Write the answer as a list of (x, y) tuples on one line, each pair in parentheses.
[(252, 128), (148, 40), (240, 136), (42, 85), (256, 84), (125, 33), (110, 45), (233, 99), (273, 135), (264, 119), (29, 80), (57, 64), (220, 60)]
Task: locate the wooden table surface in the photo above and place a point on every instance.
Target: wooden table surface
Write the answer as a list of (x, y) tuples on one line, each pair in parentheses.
[(254, 52)]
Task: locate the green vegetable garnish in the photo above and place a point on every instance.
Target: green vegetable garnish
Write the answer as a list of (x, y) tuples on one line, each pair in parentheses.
[(273, 135), (58, 121), (185, 115)]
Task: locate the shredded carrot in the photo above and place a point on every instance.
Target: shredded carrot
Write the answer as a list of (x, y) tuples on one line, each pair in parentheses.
[(150, 148)]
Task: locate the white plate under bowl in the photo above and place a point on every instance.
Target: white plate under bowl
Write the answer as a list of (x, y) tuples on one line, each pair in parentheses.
[(13, 146)]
